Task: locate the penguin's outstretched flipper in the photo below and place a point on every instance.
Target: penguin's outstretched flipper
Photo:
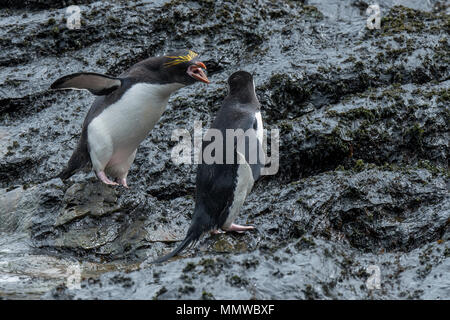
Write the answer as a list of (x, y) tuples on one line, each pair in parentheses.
[(98, 84)]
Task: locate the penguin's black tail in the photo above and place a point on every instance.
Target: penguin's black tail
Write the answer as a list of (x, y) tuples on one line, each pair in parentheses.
[(201, 223), (194, 233)]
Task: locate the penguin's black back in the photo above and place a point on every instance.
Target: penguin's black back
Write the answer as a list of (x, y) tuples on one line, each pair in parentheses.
[(215, 183)]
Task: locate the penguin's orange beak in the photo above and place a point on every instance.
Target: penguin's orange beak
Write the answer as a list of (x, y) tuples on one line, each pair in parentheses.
[(196, 72)]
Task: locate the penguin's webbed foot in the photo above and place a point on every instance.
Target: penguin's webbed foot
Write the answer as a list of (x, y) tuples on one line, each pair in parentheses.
[(103, 178), (238, 228), (217, 231), (123, 182)]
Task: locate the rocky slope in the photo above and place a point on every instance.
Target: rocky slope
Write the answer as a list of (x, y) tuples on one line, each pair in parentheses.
[(363, 180)]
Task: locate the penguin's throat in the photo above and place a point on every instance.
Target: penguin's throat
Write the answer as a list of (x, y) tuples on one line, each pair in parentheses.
[(165, 90)]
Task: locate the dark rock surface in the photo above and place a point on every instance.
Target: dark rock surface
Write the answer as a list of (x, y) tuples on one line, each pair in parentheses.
[(364, 179)]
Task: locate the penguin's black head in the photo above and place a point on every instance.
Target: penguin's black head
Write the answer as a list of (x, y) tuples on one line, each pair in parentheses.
[(241, 86), (183, 67)]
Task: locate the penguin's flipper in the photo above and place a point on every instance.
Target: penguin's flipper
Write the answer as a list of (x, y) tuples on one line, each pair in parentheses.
[(98, 84)]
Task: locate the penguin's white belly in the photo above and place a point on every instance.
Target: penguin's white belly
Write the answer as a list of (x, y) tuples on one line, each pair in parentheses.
[(115, 134), (244, 185), (260, 136), (260, 128), (244, 178)]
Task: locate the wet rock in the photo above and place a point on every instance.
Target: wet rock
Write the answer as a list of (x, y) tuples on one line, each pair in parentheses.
[(366, 126), (17, 207), (366, 207), (326, 271), (87, 199), (39, 4), (363, 179), (225, 245)]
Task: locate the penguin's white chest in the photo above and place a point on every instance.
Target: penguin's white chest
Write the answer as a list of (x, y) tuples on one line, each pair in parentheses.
[(244, 176), (117, 132), (244, 184), (260, 136), (259, 129)]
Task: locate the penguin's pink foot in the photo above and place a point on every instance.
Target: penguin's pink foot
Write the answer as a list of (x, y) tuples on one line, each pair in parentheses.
[(217, 231), (238, 228), (123, 182), (103, 178)]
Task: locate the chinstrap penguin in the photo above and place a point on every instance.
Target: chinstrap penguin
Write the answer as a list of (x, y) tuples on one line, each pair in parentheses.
[(127, 108), (221, 189)]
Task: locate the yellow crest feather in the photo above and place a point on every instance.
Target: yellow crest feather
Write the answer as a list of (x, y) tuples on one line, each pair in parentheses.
[(180, 59)]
